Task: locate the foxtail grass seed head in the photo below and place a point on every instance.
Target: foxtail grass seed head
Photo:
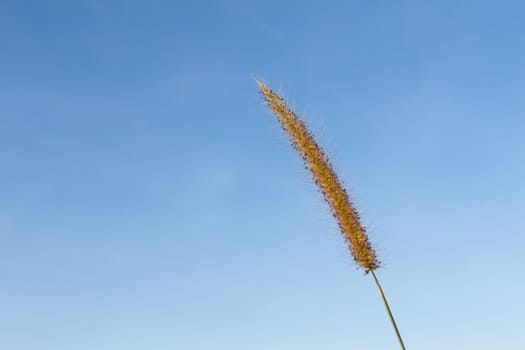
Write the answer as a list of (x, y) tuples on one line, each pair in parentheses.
[(325, 178)]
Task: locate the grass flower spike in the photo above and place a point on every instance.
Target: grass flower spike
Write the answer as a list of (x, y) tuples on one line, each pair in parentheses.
[(326, 179), (330, 186)]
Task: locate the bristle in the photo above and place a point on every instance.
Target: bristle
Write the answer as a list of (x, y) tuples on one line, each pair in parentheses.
[(325, 178)]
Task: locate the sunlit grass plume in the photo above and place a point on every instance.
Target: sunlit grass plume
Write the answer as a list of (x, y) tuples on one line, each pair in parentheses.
[(329, 185)]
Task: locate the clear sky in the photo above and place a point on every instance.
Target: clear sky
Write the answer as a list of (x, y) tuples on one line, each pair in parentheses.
[(148, 199)]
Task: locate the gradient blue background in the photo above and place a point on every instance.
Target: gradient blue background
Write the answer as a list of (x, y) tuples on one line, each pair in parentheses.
[(148, 199)]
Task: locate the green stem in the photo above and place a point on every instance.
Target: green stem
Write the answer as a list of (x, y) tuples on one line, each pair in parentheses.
[(388, 310)]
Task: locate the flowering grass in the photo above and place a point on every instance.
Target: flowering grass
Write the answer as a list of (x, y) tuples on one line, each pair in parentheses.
[(329, 185)]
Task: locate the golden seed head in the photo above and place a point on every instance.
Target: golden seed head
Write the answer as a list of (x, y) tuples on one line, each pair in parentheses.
[(325, 178)]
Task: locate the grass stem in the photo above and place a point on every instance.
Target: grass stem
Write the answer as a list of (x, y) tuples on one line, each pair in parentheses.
[(388, 310)]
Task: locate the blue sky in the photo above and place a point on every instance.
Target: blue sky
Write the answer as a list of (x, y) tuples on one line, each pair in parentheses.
[(148, 199)]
